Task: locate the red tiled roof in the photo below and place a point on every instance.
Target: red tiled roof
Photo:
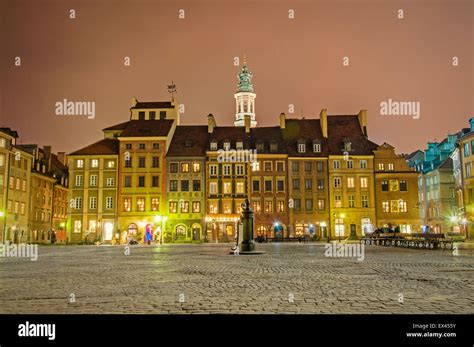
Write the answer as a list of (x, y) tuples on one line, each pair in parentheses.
[(304, 130), (119, 126), (348, 127), (145, 128), (231, 134), (102, 147), (153, 104), (189, 141)]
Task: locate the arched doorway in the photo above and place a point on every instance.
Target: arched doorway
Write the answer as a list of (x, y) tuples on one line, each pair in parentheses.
[(180, 232), (196, 232), (132, 231), (278, 231)]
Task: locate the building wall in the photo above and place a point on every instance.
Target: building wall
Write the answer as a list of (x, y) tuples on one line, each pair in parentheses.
[(396, 189), (307, 220), (129, 217), (224, 208), (191, 223), (41, 207), (96, 222), (18, 198), (271, 208), (466, 152), (345, 218)]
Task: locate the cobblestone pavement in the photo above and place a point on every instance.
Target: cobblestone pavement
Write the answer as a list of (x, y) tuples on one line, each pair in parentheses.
[(289, 278)]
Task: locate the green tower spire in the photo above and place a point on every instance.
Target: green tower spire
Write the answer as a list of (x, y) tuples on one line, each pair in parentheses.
[(245, 80)]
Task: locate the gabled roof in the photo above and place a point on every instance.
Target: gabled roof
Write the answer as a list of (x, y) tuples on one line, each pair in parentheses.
[(188, 141), (303, 130), (412, 154), (153, 104), (267, 136), (145, 128), (119, 126), (230, 133), (102, 147), (348, 127), (9, 131)]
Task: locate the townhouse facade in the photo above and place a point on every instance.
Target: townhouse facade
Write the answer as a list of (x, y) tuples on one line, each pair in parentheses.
[(396, 191), (318, 178), (93, 194)]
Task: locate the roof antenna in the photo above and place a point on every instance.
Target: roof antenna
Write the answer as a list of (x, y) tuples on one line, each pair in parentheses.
[(302, 114), (172, 90)]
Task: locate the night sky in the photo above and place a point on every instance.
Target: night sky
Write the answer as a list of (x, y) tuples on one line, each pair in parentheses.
[(294, 61)]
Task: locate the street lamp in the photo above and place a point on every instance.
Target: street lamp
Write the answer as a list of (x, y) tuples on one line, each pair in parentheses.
[(160, 219)]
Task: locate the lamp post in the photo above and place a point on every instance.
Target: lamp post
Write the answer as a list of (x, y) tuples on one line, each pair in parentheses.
[(160, 219), (2, 215)]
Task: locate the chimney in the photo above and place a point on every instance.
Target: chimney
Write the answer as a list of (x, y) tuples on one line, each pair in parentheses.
[(471, 124), (62, 157), (247, 123), (134, 102), (363, 121), (211, 123), (323, 120), (282, 120), (47, 155)]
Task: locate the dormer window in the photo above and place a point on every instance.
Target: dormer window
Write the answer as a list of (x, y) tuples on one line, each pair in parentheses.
[(213, 146), (316, 147), (188, 143), (227, 146), (260, 147), (301, 147), (347, 145), (239, 145)]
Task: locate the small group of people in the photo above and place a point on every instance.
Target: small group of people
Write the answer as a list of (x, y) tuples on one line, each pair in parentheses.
[(261, 238)]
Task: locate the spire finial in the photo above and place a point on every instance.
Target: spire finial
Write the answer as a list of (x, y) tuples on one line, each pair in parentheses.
[(245, 59)]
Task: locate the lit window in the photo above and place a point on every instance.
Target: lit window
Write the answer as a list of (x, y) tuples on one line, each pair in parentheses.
[(213, 170), (141, 204), (240, 170), (155, 204), (385, 206), (213, 188), (337, 201), (390, 167), (240, 188), (350, 182), (364, 182), (317, 148), (337, 182), (184, 206), (196, 207), (363, 164), (227, 187), (185, 167), (336, 164), (268, 206), (256, 166), (79, 163), (95, 163), (196, 167), (127, 204)]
